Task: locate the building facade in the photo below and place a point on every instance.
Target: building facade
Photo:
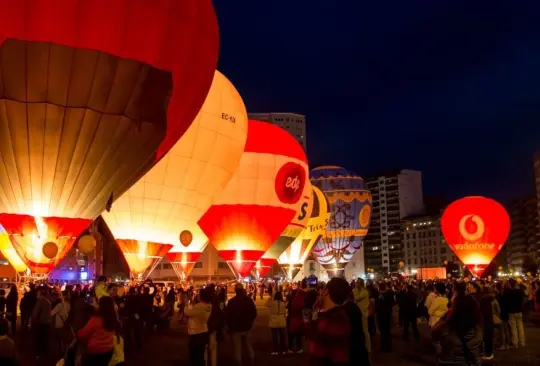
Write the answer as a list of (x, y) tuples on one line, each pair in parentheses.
[(210, 267), (293, 123), (524, 235), (423, 243), (396, 195)]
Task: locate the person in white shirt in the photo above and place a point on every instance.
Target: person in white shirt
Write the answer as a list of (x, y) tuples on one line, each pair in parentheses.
[(438, 306), (198, 316)]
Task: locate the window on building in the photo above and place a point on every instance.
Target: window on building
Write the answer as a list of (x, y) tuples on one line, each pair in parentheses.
[(222, 265), (443, 250), (311, 266), (385, 255), (385, 261), (167, 266), (198, 265)]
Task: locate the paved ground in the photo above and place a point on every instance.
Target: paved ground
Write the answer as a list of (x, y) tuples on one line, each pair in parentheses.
[(170, 348)]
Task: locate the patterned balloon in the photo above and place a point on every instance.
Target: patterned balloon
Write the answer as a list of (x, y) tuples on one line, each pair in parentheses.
[(350, 205)]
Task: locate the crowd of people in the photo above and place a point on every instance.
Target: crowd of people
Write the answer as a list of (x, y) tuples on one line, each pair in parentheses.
[(337, 322)]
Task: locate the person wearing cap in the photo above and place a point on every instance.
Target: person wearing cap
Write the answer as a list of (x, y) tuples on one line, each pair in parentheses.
[(240, 314)]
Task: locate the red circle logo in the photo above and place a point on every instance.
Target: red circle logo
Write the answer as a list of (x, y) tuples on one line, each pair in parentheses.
[(290, 181)]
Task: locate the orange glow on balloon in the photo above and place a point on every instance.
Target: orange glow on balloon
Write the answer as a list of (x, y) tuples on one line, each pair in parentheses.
[(476, 229)]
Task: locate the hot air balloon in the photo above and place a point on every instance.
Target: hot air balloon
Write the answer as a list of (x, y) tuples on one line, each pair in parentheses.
[(292, 260), (92, 94), (261, 199), (291, 232), (350, 205), (165, 205), (6, 248), (476, 229)]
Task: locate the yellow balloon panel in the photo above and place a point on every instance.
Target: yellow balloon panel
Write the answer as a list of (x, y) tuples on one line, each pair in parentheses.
[(175, 193), (300, 248), (9, 252)]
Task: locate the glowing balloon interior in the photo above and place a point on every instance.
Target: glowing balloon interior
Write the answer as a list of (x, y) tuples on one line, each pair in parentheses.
[(475, 228), (165, 204), (9, 252), (350, 204), (292, 260), (42, 242), (260, 200)]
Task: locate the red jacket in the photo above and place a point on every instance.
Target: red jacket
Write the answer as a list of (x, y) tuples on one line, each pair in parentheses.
[(99, 339)]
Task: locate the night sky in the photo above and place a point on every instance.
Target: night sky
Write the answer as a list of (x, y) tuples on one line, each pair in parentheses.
[(451, 88)]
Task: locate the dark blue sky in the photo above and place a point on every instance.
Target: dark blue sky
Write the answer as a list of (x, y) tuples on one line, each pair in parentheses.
[(451, 88)]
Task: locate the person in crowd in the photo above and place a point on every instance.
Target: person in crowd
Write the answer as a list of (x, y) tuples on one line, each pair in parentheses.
[(514, 298), (59, 313), (2, 303), (133, 330), (277, 323), (408, 304), (504, 328), (8, 349), (430, 296), (384, 308), (27, 304), (198, 316), (460, 333), (240, 314), (216, 323), (41, 322), (329, 335), (491, 312), (99, 334), (361, 299), (11, 308), (438, 305), (359, 353), (372, 327)]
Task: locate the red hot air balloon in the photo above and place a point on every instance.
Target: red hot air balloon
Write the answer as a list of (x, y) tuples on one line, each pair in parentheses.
[(92, 94), (260, 200), (476, 229)]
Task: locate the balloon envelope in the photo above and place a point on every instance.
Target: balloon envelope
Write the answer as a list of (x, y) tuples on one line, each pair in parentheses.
[(291, 232), (9, 252), (92, 94), (295, 255), (261, 199), (476, 229), (350, 205), (165, 204)]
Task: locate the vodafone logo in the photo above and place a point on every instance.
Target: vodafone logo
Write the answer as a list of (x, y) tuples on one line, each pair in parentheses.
[(290, 182)]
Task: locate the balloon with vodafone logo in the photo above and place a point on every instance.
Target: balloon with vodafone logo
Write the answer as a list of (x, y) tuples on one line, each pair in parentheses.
[(476, 229), (260, 200)]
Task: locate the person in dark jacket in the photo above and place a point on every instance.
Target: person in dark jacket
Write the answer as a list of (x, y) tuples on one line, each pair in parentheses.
[(11, 308), (410, 313), (27, 305), (41, 322), (490, 309), (358, 354), (515, 298), (216, 323), (384, 308), (504, 328), (460, 333), (240, 314), (132, 321)]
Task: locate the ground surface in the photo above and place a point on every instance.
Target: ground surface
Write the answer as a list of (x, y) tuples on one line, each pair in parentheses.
[(170, 348)]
